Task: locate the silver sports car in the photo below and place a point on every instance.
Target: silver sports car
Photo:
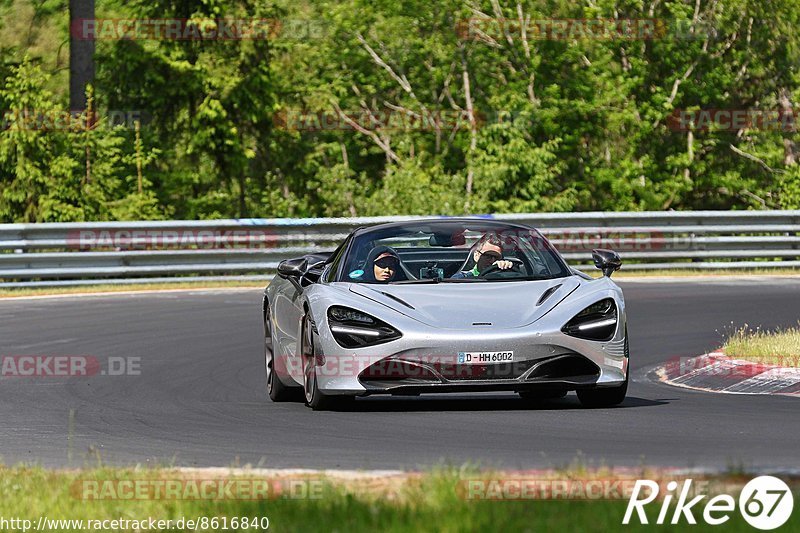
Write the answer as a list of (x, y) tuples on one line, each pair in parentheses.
[(444, 305)]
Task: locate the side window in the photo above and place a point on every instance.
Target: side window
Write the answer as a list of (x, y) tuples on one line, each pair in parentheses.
[(333, 267), (543, 254), (550, 262), (551, 259)]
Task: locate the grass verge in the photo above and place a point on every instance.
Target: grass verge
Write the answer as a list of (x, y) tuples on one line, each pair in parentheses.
[(45, 291), (423, 502), (776, 347), (718, 272)]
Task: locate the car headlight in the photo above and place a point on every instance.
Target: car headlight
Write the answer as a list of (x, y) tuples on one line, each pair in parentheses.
[(354, 329), (598, 322)]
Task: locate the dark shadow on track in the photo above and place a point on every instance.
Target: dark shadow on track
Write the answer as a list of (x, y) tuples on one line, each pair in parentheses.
[(379, 404)]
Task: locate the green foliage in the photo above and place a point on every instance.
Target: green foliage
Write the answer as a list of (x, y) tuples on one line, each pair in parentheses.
[(57, 167), (443, 116), (435, 500), (790, 189)]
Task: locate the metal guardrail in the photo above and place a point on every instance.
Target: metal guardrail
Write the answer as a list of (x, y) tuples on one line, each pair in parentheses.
[(250, 249)]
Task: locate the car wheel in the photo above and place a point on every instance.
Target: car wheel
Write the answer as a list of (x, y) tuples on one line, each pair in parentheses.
[(608, 396), (315, 399), (604, 396), (277, 391)]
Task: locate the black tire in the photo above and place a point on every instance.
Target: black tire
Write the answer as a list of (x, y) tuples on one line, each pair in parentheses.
[(276, 390), (314, 398), (535, 395), (603, 396)]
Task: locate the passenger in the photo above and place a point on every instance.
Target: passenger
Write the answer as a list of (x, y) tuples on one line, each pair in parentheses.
[(381, 265), (488, 252)]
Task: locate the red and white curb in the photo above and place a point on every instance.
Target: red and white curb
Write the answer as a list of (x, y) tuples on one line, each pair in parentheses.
[(716, 372)]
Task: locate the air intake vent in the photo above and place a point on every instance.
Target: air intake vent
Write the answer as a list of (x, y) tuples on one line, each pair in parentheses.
[(564, 367), (547, 294)]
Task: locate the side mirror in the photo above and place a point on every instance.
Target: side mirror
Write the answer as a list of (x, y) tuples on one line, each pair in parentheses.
[(606, 260), (293, 267)]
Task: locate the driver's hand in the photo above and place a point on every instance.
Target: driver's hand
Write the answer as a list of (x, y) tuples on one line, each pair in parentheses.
[(503, 264)]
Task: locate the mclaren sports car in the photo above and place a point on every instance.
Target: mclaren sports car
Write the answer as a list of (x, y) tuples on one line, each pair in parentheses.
[(444, 305)]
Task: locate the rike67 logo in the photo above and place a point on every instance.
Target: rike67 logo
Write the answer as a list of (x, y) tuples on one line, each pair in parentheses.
[(765, 503)]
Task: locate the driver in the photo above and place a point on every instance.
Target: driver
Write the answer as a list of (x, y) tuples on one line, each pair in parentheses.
[(488, 252), (381, 265)]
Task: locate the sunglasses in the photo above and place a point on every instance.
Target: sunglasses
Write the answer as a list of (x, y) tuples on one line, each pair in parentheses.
[(387, 262)]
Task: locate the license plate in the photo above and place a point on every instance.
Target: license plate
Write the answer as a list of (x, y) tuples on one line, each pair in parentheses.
[(485, 358)]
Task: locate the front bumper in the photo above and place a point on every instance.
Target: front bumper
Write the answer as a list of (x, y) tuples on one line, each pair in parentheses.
[(403, 376), (431, 347), (427, 362)]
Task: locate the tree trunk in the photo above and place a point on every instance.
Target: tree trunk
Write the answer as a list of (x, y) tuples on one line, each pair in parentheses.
[(81, 52), (787, 117)]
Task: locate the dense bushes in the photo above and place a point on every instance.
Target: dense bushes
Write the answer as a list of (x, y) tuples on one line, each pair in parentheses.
[(356, 107)]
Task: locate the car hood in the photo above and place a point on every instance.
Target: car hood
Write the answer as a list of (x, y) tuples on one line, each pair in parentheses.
[(508, 304)]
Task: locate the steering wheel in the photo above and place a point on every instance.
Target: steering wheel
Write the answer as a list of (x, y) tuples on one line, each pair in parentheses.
[(516, 266)]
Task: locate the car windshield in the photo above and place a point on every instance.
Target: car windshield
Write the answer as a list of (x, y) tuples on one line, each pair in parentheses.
[(450, 250)]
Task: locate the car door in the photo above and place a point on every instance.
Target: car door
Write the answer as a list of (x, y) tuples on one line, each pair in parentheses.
[(289, 305), (288, 314)]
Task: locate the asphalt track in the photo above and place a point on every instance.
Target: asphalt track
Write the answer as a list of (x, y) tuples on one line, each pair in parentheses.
[(199, 399)]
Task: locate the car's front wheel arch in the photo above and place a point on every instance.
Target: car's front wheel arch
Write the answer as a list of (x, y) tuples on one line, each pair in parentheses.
[(277, 390), (309, 352)]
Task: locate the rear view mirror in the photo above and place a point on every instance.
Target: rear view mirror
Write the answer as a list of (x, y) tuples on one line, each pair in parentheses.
[(606, 260), (447, 239)]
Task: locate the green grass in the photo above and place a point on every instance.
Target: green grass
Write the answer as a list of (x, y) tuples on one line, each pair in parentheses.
[(45, 291), (779, 347), (679, 272), (428, 502)]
